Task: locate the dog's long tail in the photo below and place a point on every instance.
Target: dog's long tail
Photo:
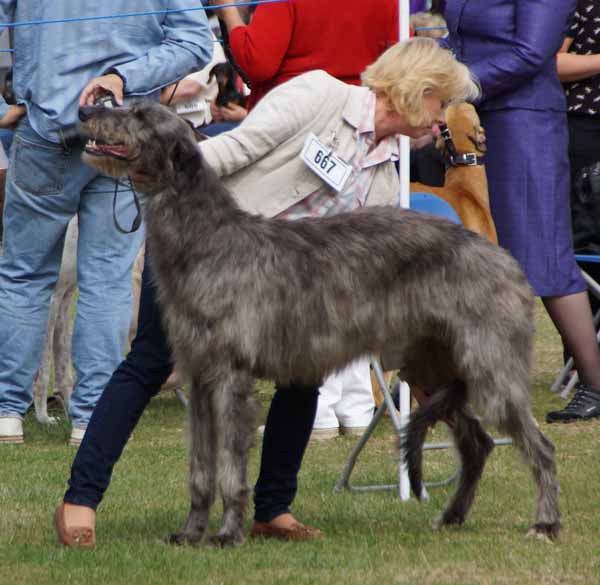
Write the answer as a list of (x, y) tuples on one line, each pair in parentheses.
[(444, 403)]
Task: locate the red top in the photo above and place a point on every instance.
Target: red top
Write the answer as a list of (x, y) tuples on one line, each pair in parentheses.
[(285, 39)]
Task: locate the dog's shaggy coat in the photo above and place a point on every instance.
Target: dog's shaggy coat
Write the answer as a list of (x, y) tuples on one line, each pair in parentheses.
[(244, 296)]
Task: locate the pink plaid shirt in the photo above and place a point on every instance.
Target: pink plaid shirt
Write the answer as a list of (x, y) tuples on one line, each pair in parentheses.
[(325, 200)]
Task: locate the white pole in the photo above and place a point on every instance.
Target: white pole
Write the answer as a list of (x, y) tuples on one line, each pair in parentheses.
[(404, 399)]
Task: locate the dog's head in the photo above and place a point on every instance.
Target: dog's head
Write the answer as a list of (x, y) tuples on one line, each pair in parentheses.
[(465, 127), (145, 141), (226, 77)]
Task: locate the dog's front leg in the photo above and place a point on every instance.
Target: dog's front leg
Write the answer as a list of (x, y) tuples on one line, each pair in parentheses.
[(202, 464), (236, 423)]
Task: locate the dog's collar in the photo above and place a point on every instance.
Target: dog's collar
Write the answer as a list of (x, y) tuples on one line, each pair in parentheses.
[(467, 159)]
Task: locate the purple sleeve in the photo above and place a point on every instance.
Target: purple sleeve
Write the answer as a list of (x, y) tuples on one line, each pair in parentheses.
[(540, 27)]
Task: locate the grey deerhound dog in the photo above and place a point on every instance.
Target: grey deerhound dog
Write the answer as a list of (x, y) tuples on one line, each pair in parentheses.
[(245, 296)]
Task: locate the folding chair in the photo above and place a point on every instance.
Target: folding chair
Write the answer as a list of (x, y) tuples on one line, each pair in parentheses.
[(564, 377), (429, 203)]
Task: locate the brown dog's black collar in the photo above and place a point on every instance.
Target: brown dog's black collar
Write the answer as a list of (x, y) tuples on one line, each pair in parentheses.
[(467, 159)]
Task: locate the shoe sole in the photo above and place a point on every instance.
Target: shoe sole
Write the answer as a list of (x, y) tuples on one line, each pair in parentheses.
[(12, 440), (569, 421), (573, 420)]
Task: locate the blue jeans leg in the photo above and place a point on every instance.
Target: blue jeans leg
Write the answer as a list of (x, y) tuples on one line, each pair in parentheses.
[(127, 394), (105, 258), (47, 184), (287, 432), (38, 206)]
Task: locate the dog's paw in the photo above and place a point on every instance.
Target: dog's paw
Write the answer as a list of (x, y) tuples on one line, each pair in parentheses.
[(48, 420), (446, 519), (226, 540), (182, 539), (544, 532)]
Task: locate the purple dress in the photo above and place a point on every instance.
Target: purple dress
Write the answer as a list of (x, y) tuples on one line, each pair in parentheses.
[(511, 46)]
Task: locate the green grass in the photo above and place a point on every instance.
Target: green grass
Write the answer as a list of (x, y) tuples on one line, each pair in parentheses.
[(372, 539)]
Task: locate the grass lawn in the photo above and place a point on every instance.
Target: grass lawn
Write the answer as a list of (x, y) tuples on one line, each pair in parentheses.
[(372, 539)]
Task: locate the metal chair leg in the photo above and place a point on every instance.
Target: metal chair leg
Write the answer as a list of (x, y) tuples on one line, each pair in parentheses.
[(398, 420)]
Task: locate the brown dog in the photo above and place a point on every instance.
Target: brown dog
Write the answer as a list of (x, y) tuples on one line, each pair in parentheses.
[(466, 187)]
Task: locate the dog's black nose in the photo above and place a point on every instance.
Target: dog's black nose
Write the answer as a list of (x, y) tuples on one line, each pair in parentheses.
[(86, 112)]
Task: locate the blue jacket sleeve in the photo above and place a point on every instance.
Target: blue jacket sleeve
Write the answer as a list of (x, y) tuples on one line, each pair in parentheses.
[(540, 27), (187, 46)]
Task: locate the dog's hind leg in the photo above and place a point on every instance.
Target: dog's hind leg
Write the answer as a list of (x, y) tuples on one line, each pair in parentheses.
[(538, 452), (472, 442), (474, 446), (439, 406), (202, 463), (236, 423)]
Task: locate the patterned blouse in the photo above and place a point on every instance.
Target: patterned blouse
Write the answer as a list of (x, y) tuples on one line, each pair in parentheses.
[(325, 201), (583, 96)]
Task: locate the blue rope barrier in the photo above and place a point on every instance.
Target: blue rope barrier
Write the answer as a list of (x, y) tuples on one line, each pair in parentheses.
[(431, 28), (131, 14)]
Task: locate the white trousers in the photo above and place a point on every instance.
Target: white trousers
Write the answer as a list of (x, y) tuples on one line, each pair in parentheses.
[(346, 398)]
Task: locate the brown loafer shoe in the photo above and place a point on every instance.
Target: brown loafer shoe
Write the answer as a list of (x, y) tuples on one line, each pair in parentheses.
[(74, 536), (295, 532)]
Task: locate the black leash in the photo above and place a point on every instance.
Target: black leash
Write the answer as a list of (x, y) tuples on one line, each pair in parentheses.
[(137, 221), (229, 54), (108, 101)]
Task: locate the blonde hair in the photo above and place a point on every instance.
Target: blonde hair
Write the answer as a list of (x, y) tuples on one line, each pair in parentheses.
[(412, 69), (433, 22)]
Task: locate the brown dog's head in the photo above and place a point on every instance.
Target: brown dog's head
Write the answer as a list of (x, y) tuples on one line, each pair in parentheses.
[(467, 132)]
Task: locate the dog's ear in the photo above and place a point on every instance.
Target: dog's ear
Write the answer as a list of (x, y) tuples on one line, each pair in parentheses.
[(477, 137), (185, 155)]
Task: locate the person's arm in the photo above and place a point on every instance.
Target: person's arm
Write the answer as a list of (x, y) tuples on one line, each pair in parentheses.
[(184, 91), (573, 67), (187, 46), (230, 15), (281, 114), (259, 47), (10, 114), (539, 30)]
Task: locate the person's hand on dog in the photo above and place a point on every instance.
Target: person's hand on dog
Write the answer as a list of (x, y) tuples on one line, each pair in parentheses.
[(233, 112), (230, 113), (12, 116), (99, 86)]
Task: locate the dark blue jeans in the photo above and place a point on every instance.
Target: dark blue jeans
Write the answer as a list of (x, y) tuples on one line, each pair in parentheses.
[(139, 378)]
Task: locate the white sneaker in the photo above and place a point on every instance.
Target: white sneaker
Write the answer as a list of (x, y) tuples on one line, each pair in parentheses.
[(11, 430), (76, 436)]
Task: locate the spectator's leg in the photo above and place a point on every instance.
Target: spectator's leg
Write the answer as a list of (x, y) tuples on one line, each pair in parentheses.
[(355, 409), (287, 431), (105, 258), (131, 387), (37, 211)]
